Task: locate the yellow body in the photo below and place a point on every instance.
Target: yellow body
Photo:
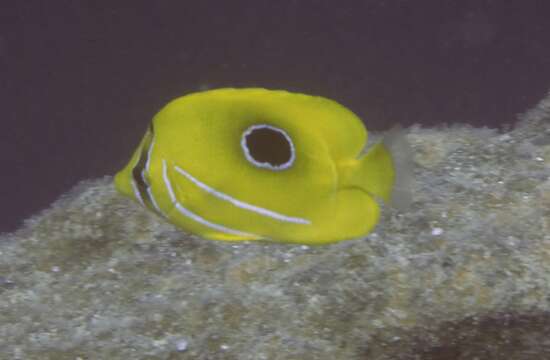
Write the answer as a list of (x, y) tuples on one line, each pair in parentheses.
[(199, 167)]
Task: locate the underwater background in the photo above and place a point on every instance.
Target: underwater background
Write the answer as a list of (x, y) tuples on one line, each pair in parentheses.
[(81, 79), (461, 275), (85, 273)]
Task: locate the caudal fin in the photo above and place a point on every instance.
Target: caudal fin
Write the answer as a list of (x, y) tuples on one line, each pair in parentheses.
[(402, 157)]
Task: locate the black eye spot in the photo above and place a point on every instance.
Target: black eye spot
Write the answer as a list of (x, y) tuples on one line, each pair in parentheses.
[(268, 147)]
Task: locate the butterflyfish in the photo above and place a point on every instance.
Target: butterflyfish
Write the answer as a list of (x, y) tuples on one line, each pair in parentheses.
[(252, 164)]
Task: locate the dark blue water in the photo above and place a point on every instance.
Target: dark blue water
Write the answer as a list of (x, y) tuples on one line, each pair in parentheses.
[(80, 80)]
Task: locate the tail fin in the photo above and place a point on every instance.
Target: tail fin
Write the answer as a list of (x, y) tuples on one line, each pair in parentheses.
[(375, 172), (402, 158), (385, 170)]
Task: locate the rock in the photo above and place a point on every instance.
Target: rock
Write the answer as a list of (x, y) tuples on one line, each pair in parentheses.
[(462, 274)]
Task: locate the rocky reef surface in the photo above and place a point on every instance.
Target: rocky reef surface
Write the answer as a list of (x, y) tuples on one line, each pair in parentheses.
[(463, 274)]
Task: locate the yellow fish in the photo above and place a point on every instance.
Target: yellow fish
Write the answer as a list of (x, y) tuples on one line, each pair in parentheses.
[(251, 164)]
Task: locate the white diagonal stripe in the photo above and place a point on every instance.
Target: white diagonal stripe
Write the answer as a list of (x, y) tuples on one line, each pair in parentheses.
[(154, 201), (186, 212), (241, 204), (149, 151)]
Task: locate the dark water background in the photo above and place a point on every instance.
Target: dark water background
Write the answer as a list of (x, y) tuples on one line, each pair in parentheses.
[(80, 80)]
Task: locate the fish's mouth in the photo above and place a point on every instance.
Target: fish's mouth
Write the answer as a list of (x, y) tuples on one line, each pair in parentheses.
[(140, 173), (223, 197)]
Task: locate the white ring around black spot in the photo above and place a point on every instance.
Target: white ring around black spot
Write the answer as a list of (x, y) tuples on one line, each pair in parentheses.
[(267, 165)]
